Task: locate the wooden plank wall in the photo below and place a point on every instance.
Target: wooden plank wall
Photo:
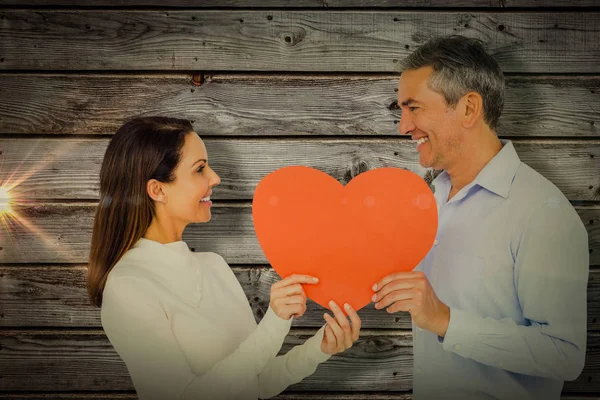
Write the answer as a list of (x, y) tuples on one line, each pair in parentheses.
[(267, 84)]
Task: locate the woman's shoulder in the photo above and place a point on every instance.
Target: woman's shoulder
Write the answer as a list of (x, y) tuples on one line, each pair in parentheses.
[(134, 271), (214, 261), (210, 259), (131, 265)]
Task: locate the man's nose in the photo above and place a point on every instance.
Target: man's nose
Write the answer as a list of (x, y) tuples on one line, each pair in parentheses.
[(406, 125)]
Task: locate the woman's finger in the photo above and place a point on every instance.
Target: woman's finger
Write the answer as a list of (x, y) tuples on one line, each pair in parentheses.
[(331, 342), (287, 291), (337, 331), (297, 310), (356, 322), (294, 279), (296, 299), (342, 321)]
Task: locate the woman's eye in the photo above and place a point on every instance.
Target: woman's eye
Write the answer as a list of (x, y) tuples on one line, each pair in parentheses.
[(200, 169)]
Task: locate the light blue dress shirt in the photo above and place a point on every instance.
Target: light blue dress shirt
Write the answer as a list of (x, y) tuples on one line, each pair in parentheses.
[(511, 261)]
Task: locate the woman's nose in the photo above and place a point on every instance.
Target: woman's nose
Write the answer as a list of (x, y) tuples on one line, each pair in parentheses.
[(215, 179)]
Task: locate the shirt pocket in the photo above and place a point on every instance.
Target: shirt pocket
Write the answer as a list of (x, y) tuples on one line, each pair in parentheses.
[(458, 279)]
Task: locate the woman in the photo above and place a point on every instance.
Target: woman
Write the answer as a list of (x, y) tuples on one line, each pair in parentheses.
[(180, 320)]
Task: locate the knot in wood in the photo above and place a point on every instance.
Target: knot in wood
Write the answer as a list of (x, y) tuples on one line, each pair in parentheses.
[(294, 37)]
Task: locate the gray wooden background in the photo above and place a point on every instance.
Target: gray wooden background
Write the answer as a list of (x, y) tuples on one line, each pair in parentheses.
[(267, 84)]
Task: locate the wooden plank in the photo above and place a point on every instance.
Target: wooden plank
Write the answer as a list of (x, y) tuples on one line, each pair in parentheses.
[(273, 105), (39, 296), (549, 42), (76, 361), (307, 3), (288, 395), (61, 233), (283, 396), (62, 168)]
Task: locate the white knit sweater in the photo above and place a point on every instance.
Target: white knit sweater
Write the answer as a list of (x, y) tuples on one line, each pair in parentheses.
[(183, 326)]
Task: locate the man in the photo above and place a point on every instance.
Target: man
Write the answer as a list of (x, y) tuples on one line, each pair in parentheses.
[(499, 303)]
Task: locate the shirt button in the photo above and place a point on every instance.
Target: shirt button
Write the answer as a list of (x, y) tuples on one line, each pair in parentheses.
[(457, 346), (418, 370), (198, 287), (435, 242)]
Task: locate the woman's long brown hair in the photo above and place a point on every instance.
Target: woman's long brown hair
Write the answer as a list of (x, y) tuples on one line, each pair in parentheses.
[(142, 149)]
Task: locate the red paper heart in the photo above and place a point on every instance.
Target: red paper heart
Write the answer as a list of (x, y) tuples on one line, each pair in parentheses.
[(383, 221)]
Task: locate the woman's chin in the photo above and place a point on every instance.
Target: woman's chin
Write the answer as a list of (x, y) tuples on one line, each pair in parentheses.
[(202, 218)]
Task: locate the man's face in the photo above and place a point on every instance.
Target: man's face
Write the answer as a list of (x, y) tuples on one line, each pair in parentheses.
[(426, 116)]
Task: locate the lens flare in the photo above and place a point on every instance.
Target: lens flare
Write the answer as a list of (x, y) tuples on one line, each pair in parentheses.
[(5, 201), (22, 173)]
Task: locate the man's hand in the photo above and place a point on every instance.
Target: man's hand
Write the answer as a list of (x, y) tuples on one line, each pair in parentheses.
[(411, 291)]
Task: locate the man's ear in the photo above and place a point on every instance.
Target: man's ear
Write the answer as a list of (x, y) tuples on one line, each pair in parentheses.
[(473, 106), (155, 190)]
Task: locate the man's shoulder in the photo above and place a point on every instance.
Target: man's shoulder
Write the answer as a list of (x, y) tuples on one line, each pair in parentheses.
[(534, 194), (531, 187)]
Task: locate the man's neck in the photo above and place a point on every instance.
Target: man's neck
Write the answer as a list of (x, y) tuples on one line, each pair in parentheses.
[(475, 157)]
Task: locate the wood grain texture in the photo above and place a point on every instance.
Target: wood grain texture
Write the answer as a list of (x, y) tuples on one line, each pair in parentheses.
[(288, 395), (556, 42), (69, 168), (75, 361), (307, 3), (266, 105), (61, 233), (41, 296)]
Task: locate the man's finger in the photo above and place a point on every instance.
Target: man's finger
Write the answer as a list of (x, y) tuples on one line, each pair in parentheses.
[(398, 295), (398, 284), (402, 305), (392, 277)]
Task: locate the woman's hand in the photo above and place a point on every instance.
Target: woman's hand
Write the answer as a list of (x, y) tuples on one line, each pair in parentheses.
[(288, 297), (339, 334)]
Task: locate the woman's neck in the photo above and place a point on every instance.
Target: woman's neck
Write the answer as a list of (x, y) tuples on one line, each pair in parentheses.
[(163, 231)]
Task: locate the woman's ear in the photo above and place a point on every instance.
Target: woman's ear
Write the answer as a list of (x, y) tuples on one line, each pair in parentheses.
[(155, 190)]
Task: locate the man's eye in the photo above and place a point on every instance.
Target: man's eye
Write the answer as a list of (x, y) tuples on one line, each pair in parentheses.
[(412, 108)]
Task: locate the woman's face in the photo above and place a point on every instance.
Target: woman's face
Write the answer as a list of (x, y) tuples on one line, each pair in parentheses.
[(188, 196)]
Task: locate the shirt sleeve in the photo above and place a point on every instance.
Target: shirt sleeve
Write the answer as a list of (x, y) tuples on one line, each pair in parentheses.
[(551, 273), (140, 331), (300, 362)]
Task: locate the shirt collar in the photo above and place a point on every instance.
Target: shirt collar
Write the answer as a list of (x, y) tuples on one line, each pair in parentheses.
[(173, 266), (498, 174)]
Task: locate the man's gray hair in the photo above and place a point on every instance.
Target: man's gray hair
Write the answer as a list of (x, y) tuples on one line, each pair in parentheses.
[(461, 65)]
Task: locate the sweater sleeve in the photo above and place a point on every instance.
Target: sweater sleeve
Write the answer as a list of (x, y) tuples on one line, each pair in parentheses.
[(140, 331), (300, 362)]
